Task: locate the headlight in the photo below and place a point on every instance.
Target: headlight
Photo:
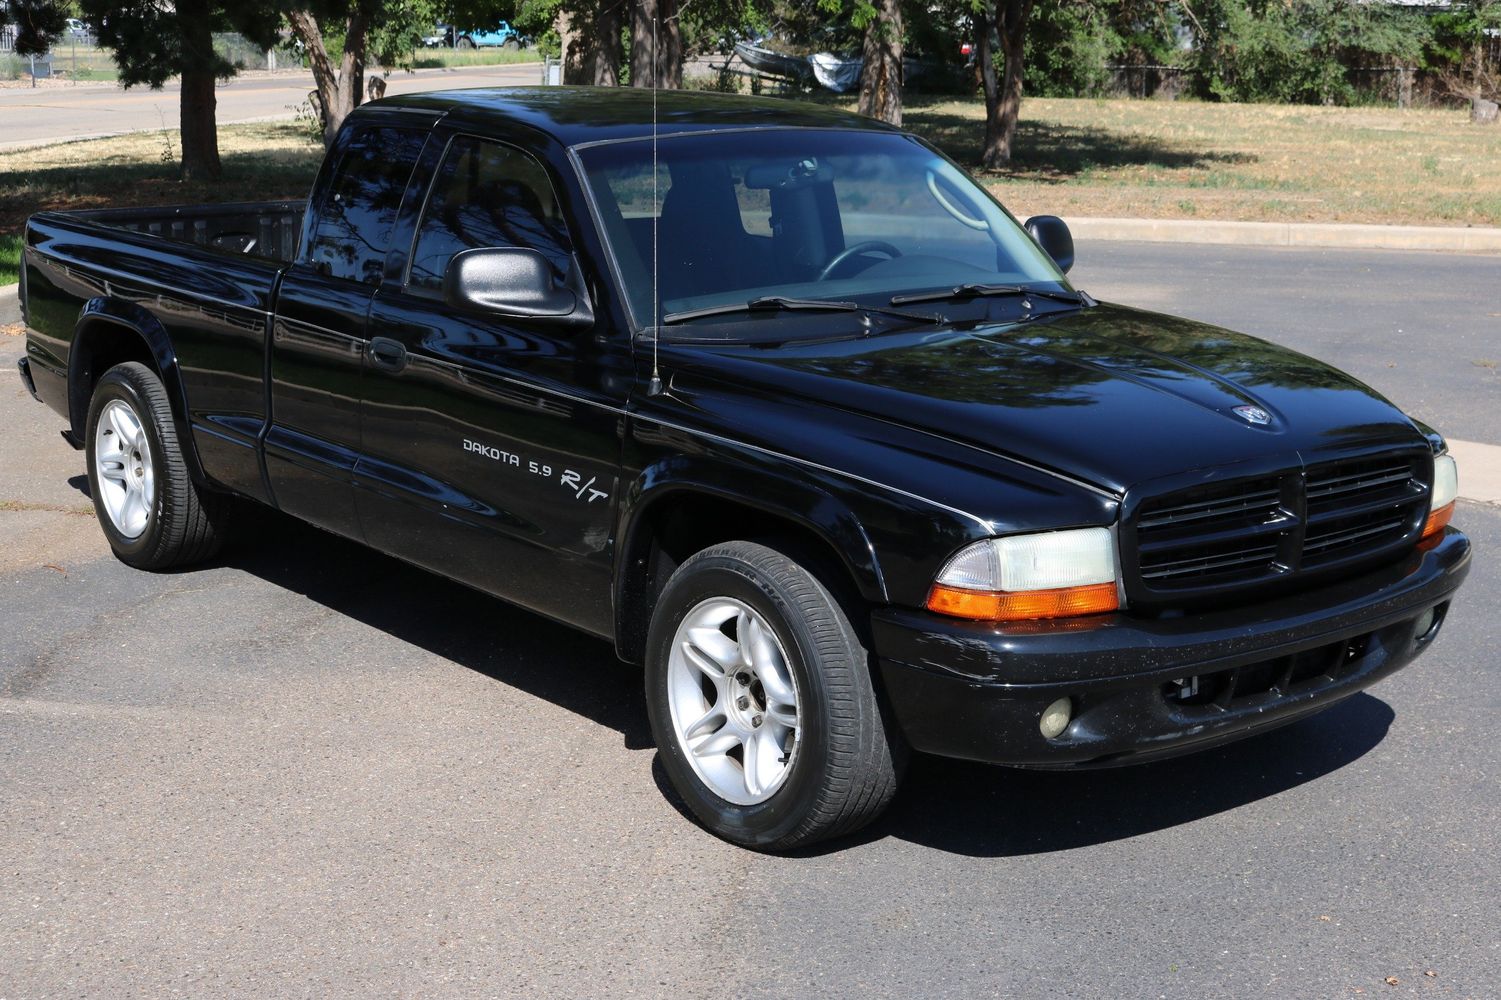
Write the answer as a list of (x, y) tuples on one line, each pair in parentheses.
[(1445, 491), (1048, 575)]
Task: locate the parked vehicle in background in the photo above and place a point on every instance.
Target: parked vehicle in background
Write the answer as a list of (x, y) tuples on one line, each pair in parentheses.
[(502, 36), (782, 403)]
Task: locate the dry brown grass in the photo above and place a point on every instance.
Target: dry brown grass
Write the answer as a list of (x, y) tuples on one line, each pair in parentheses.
[(1185, 160), (261, 163), (1143, 159)]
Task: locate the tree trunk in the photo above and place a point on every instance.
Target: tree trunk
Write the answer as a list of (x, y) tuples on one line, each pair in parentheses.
[(340, 91), (572, 47), (1003, 104), (985, 57), (666, 69), (200, 132), (197, 104), (607, 45), (881, 82)]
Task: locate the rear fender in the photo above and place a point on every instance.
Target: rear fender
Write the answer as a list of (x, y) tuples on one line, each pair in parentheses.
[(97, 339)]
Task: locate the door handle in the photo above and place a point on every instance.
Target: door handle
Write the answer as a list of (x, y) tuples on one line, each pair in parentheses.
[(388, 354)]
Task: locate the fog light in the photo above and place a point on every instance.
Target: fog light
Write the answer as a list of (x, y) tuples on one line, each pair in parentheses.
[(1424, 624), (1055, 718)]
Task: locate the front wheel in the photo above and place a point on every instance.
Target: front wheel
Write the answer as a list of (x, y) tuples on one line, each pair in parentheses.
[(762, 704), (152, 513)]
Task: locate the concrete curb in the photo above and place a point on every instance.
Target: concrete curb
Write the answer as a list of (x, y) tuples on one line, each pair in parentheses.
[(1479, 470), (1291, 234)]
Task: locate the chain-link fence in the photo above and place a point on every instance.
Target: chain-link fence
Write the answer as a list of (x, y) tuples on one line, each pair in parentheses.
[(77, 56)]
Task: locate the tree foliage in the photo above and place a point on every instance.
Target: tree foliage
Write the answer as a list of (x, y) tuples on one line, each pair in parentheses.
[(155, 40), (1300, 52), (1466, 49), (38, 24)]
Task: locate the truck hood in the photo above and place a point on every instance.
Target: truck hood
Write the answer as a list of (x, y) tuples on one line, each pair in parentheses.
[(1110, 395)]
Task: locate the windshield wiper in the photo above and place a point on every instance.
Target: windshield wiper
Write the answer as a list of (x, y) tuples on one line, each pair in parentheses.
[(973, 291), (776, 303)]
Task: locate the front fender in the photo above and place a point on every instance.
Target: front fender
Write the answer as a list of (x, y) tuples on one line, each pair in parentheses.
[(774, 492), (777, 493)]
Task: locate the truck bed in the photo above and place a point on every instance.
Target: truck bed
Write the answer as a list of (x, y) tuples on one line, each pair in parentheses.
[(268, 229)]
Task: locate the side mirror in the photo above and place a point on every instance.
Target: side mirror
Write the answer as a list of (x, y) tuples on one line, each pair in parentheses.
[(1051, 233), (512, 281)]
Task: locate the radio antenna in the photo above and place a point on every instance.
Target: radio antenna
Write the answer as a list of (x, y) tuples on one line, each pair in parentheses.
[(654, 388)]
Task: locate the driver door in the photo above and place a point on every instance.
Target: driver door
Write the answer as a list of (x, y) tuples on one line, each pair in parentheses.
[(492, 444)]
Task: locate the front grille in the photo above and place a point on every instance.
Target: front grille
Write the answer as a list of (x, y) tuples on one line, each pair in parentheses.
[(1238, 533), (1268, 679)]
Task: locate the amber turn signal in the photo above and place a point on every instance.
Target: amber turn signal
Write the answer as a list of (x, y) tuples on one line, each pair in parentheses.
[(1023, 605), (1438, 520)]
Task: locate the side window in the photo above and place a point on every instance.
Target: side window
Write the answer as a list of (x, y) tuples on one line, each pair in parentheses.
[(355, 220), (487, 195)]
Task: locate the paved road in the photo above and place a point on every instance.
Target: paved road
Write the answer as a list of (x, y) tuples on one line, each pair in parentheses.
[(35, 117), (1422, 328), (309, 769)]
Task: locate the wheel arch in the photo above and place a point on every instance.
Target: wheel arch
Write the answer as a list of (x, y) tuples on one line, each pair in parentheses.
[(668, 517), (110, 332)]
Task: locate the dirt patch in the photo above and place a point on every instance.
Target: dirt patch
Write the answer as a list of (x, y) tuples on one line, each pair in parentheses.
[(35, 538)]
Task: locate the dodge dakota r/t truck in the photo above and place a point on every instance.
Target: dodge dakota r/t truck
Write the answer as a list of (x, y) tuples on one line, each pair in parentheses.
[(781, 403)]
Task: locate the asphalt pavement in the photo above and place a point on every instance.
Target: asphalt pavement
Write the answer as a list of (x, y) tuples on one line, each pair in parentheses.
[(43, 115), (1424, 329), (311, 770)]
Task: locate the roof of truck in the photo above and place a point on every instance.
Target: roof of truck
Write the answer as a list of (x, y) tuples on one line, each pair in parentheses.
[(575, 115)]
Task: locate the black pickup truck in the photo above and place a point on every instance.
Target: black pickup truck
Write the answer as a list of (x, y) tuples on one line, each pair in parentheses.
[(781, 403)]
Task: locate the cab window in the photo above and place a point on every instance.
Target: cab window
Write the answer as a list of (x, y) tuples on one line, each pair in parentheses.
[(354, 223), (487, 194)]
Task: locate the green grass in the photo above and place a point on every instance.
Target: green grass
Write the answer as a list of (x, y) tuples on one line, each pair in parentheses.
[(10, 259), (451, 58)]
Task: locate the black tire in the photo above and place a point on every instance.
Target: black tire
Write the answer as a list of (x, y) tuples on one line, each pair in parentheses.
[(465, 43), (847, 766), (184, 524), (511, 45)]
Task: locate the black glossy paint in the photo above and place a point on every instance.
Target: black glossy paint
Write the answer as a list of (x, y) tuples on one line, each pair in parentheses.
[(531, 460)]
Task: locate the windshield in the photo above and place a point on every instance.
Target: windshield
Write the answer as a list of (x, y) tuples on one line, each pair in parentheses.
[(799, 213)]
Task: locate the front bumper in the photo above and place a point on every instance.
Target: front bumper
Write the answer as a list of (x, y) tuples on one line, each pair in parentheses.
[(1148, 688)]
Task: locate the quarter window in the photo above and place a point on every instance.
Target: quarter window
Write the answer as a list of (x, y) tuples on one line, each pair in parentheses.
[(487, 194), (355, 220)]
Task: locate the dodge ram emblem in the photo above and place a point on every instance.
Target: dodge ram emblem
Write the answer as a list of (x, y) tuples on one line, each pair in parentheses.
[(1254, 415)]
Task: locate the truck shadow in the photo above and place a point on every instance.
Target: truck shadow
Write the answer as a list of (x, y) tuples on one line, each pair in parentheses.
[(954, 806), (543, 658), (984, 811)]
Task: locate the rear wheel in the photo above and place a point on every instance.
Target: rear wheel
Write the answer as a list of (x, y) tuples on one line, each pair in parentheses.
[(152, 513), (465, 43), (762, 704)]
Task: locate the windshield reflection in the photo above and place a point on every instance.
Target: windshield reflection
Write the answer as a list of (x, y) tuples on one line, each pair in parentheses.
[(798, 213)]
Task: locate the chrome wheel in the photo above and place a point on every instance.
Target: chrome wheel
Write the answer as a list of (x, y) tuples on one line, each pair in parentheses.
[(733, 700), (122, 466)]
